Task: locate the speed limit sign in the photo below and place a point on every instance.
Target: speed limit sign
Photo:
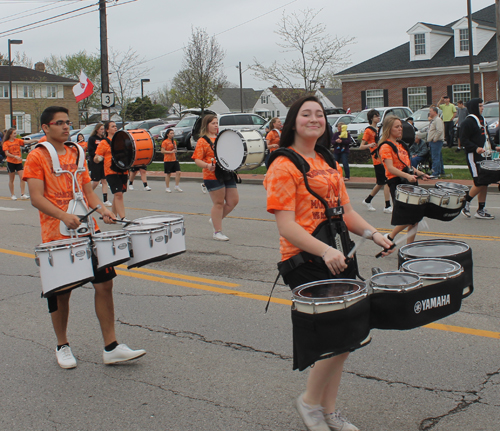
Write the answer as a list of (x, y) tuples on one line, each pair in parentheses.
[(108, 100)]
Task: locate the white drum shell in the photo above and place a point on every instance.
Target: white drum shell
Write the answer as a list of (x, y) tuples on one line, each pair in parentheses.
[(149, 243), (111, 248), (412, 195), (175, 230), (450, 269), (449, 199), (64, 263), (240, 149)]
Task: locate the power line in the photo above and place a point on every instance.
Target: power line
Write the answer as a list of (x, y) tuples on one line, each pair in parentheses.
[(4, 19)]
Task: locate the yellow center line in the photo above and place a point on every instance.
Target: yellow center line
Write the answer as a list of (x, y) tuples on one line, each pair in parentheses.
[(241, 294)]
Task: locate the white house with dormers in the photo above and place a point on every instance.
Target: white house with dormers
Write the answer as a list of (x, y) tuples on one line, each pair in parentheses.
[(433, 63)]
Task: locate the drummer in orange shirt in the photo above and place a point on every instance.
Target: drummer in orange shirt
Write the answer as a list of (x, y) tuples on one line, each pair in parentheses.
[(273, 137), (170, 162), (12, 148)]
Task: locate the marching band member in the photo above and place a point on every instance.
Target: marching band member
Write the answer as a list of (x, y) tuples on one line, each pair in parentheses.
[(170, 162), (273, 137), (97, 169), (51, 195)]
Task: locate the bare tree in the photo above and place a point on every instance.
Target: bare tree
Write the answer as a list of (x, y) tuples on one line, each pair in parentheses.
[(202, 71), (126, 71), (319, 53), (19, 59)]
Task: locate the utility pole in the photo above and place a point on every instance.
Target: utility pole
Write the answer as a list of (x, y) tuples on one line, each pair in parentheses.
[(241, 87), (471, 51), (497, 14), (104, 55)]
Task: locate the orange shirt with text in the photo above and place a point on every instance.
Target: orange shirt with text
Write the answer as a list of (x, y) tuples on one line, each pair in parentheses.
[(286, 191), (386, 152), (14, 148), (169, 145), (204, 152)]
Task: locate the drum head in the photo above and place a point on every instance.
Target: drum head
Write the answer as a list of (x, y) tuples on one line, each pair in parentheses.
[(230, 149), (451, 186), (62, 243), (432, 268), (330, 289), (394, 280), (490, 165), (122, 148), (133, 229), (412, 190), (110, 234), (422, 249), (159, 219)]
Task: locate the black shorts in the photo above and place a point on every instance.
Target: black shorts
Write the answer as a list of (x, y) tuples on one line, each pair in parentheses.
[(117, 183), (171, 167), (96, 171), (14, 167), (380, 174), (472, 158), (138, 168)]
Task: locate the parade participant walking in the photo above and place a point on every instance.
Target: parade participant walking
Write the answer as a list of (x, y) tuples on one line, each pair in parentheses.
[(297, 216), (396, 159), (449, 113), (341, 140), (80, 140), (117, 180), (273, 137), (435, 137), (12, 148), (170, 162), (370, 142), (142, 171), (97, 169), (220, 184), (51, 195), (474, 138)]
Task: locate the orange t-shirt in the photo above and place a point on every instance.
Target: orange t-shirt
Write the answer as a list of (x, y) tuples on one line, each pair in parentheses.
[(104, 150), (42, 139), (286, 191), (204, 152), (14, 148), (83, 144), (169, 145), (386, 152), (274, 138), (369, 136), (57, 189)]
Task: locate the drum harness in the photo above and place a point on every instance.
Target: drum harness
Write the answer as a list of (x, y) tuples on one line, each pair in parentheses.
[(332, 231), (407, 169), (219, 172), (374, 153), (114, 166)]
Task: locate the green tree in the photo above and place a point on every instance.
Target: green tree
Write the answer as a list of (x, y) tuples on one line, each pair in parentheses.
[(142, 109)]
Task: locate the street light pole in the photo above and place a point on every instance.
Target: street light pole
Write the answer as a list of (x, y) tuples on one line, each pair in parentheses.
[(142, 95), (241, 88), (11, 42)]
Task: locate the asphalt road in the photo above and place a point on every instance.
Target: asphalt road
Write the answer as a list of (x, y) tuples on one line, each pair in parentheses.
[(215, 360)]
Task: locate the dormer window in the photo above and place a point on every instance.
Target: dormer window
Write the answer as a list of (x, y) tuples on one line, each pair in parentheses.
[(419, 44), (464, 39)]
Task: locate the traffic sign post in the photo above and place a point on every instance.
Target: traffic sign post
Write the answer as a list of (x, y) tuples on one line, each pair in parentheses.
[(108, 100)]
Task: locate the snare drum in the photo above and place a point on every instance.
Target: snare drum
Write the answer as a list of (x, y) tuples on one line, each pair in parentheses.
[(111, 248), (239, 149), (457, 251), (329, 317), (149, 244), (64, 264), (444, 204), (409, 204), (131, 148), (175, 230), (488, 172)]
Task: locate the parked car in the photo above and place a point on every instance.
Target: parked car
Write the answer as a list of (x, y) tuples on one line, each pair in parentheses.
[(34, 136), (86, 131), (490, 114), (334, 119), (264, 130), (157, 132), (360, 122), (146, 124), (331, 111), (184, 128)]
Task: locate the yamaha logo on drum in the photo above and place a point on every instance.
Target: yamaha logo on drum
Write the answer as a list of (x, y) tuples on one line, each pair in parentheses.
[(80, 253), (427, 304), (177, 230), (224, 162), (123, 245), (159, 238)]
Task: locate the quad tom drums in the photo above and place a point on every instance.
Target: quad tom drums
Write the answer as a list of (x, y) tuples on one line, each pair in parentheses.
[(444, 204), (239, 149), (329, 317), (64, 264), (176, 232), (149, 243), (111, 248), (131, 148), (488, 172), (410, 204)]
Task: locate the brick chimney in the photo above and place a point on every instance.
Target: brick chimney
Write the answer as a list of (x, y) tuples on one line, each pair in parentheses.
[(40, 67)]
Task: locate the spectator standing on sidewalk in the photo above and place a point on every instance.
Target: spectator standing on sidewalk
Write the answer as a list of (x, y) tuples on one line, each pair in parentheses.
[(341, 140), (462, 115), (449, 113), (435, 137)]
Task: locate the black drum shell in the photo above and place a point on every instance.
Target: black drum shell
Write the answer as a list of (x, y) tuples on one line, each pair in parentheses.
[(436, 212), (404, 213), (317, 336), (464, 258), (407, 310)]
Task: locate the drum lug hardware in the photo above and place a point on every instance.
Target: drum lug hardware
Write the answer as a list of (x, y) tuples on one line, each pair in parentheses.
[(150, 241), (114, 248), (37, 261), (183, 231), (72, 256), (446, 201), (51, 260), (89, 253), (166, 238)]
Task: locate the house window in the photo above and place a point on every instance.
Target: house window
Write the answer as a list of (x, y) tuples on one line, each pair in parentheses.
[(28, 91), (417, 97), (419, 44), (464, 39), (18, 122), (4, 91), (51, 91), (461, 92), (263, 99), (374, 98)]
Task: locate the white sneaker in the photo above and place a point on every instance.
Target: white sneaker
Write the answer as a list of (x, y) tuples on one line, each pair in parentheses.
[(219, 236), (369, 205), (388, 210), (130, 187), (108, 204), (203, 188), (65, 357), (13, 197), (25, 196), (178, 189), (312, 416), (168, 190), (147, 188), (338, 423), (121, 353)]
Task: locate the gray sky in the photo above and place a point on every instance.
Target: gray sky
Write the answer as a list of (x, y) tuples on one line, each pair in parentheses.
[(244, 28)]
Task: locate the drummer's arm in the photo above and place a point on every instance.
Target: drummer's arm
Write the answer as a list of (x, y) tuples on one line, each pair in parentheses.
[(41, 203), (204, 165), (93, 201)]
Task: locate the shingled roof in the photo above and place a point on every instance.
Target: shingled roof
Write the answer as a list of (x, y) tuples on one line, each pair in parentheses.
[(231, 98), (23, 74), (399, 58)]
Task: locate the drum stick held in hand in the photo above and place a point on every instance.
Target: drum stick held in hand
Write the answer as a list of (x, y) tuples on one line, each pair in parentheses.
[(366, 235), (412, 231), (84, 217)]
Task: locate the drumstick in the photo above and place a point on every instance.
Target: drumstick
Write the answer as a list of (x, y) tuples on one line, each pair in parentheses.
[(84, 217), (366, 235), (412, 231)]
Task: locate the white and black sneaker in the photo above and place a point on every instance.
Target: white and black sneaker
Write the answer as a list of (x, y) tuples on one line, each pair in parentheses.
[(466, 210), (483, 214)]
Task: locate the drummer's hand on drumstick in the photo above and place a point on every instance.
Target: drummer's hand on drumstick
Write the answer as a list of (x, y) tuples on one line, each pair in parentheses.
[(334, 260), (71, 221), (411, 178), (383, 242), (480, 150), (108, 216)]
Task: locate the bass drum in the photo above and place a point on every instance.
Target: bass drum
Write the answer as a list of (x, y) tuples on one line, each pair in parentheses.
[(131, 148), (239, 149)]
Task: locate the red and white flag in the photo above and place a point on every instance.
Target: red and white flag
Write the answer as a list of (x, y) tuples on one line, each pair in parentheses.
[(84, 88), (348, 111)]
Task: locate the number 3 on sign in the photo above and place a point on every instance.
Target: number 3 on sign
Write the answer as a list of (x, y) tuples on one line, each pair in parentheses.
[(108, 100)]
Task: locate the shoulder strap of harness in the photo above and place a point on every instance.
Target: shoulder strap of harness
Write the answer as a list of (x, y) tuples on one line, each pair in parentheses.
[(55, 159), (395, 149)]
